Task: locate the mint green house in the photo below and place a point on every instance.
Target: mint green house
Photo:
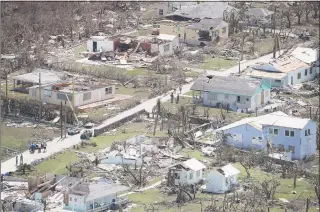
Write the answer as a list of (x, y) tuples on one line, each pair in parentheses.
[(234, 92)]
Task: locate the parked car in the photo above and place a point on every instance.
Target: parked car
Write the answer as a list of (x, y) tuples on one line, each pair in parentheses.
[(73, 131)]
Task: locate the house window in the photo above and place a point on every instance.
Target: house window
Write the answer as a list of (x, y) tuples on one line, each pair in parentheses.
[(166, 47), (160, 11), (299, 75), (307, 132), (198, 173), (224, 29), (226, 96), (281, 147), (110, 90), (291, 148), (64, 97), (306, 72), (86, 96), (70, 199), (310, 71), (179, 35), (291, 133), (278, 81), (191, 176), (238, 99), (247, 99), (226, 181), (275, 131), (177, 176), (107, 91)]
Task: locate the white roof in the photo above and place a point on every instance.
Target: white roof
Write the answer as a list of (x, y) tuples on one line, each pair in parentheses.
[(98, 38), (166, 37), (47, 76), (306, 55), (229, 170), (278, 118), (193, 164)]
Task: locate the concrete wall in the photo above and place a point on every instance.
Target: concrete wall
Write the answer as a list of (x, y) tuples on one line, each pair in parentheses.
[(185, 177), (76, 203), (163, 51), (308, 142), (305, 75), (52, 97), (107, 200), (177, 30), (212, 99), (106, 45), (218, 183), (100, 130)]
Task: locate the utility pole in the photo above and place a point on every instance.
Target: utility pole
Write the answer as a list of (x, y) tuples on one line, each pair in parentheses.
[(65, 118), (61, 118), (40, 102), (241, 53), (6, 85)]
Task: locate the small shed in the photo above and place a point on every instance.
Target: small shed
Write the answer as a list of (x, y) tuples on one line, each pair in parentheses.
[(222, 179), (100, 44), (171, 38)]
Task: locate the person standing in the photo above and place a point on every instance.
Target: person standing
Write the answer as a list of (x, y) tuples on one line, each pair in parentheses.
[(180, 88), (17, 160), (172, 97), (177, 99)]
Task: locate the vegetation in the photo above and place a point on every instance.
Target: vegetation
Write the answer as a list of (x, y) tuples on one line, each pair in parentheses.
[(217, 63)]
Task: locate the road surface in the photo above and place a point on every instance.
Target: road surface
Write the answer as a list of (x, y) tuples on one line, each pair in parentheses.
[(58, 144)]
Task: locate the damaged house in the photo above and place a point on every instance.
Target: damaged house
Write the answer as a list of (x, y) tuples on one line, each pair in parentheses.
[(222, 179), (75, 93), (255, 16), (300, 66), (98, 196), (201, 21), (100, 44), (232, 92), (285, 133), (22, 83), (186, 173)]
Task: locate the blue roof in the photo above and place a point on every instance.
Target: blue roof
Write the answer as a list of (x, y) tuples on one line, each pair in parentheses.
[(266, 67)]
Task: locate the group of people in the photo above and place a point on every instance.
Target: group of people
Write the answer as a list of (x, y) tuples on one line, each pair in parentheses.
[(172, 95), (34, 147)]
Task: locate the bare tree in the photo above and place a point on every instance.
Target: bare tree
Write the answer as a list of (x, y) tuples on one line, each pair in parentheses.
[(298, 9), (269, 187)]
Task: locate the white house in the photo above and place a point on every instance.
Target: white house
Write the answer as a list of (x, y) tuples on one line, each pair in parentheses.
[(93, 197), (77, 93), (100, 44), (300, 66), (186, 173), (233, 92), (119, 158), (171, 38), (222, 180)]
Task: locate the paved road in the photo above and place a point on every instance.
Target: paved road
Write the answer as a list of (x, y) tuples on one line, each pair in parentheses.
[(235, 69), (58, 145)]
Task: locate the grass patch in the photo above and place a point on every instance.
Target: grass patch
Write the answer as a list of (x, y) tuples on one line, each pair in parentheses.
[(213, 112), (154, 180), (190, 93), (79, 49), (143, 32), (304, 189), (12, 94), (217, 63), (142, 92), (149, 196), (138, 72), (192, 74), (264, 46), (192, 153), (58, 164), (20, 138)]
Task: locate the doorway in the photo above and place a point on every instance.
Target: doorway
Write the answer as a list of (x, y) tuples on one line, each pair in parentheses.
[(94, 46), (291, 80)]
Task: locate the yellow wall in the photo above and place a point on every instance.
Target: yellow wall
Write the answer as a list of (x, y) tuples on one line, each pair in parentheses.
[(173, 30)]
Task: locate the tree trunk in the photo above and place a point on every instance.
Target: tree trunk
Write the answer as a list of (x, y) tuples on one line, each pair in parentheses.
[(299, 19)]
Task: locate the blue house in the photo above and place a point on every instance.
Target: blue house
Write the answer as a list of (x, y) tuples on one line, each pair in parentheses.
[(237, 93), (284, 132)]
